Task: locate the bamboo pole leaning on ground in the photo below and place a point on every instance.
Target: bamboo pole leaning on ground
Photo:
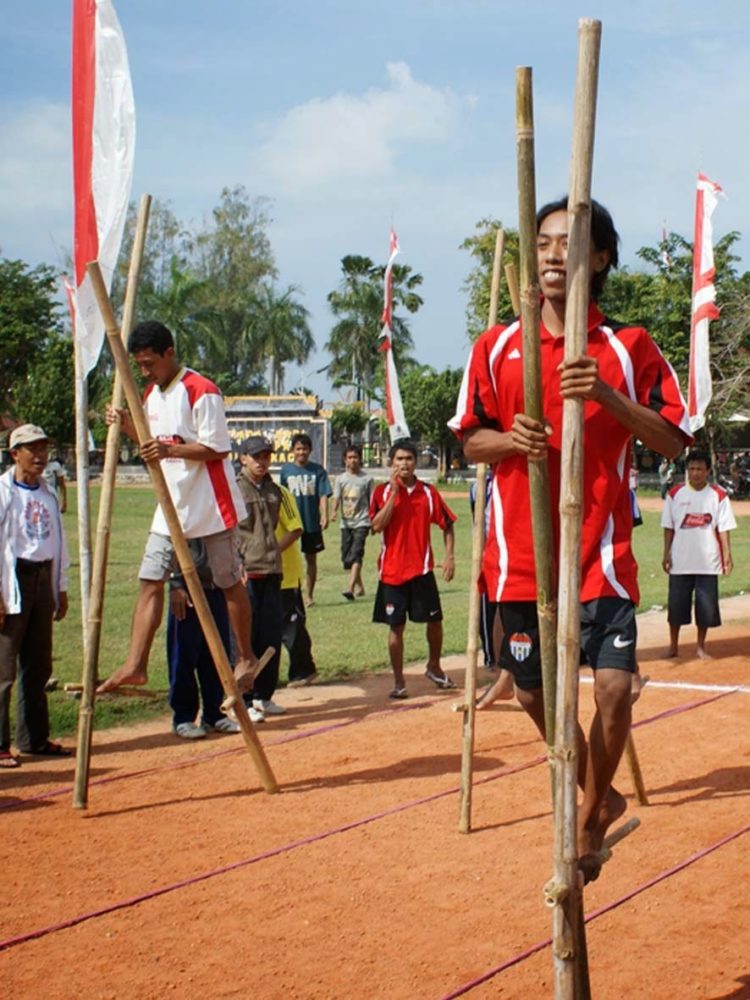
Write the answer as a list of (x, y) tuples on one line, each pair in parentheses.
[(182, 551), (568, 945), (103, 532), (541, 508), (477, 551)]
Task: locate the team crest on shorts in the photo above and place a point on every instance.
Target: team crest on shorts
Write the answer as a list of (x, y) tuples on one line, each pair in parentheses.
[(520, 646), (389, 609)]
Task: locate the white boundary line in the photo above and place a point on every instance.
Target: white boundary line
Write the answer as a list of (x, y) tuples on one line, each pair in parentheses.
[(687, 686)]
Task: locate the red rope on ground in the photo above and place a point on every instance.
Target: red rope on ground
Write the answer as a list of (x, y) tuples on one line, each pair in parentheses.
[(606, 908)]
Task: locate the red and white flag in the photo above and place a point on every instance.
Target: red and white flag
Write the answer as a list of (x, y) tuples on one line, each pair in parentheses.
[(703, 303), (394, 408), (103, 150)]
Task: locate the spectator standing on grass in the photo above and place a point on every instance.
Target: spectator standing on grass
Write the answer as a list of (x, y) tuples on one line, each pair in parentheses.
[(191, 665), (402, 511), (308, 483), (294, 635), (54, 477), (353, 492), (696, 519), (666, 476), (33, 594), (261, 559)]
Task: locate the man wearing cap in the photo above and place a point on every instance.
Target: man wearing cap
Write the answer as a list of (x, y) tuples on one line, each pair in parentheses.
[(33, 593), (268, 506)]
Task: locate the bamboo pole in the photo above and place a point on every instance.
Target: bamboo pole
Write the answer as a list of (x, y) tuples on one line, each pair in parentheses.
[(477, 550), (511, 280), (570, 966), (539, 493), (636, 775), (234, 699), (83, 506), (103, 532)]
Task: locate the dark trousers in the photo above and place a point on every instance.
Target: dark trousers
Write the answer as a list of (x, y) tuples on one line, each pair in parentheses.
[(191, 665), (295, 636), (265, 598), (26, 640)]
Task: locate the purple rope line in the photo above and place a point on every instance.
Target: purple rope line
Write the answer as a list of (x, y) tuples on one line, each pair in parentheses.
[(314, 838), (606, 908)]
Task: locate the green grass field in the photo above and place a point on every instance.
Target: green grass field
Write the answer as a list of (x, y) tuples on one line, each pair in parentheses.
[(345, 641)]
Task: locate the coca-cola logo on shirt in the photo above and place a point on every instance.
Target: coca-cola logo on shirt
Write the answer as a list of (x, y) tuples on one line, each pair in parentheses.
[(696, 521)]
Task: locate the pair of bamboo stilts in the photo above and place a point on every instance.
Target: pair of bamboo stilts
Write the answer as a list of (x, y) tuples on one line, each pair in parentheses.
[(125, 383)]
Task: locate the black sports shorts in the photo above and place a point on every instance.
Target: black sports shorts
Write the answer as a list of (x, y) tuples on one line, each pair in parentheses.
[(706, 587), (312, 541), (353, 545), (608, 638), (418, 598)]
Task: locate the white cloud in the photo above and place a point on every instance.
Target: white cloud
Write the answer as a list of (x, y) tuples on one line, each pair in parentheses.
[(351, 136), (35, 175)]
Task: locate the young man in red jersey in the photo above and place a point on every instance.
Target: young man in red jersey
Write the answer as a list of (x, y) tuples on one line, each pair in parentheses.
[(629, 390), (190, 439), (403, 510)]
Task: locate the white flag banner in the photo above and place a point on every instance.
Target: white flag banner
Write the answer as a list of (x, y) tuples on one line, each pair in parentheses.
[(103, 152), (394, 408), (703, 302)]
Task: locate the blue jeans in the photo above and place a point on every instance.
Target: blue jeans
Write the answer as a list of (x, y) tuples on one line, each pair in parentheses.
[(191, 665)]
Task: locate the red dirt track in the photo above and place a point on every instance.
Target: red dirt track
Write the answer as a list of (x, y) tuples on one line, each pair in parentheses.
[(354, 881)]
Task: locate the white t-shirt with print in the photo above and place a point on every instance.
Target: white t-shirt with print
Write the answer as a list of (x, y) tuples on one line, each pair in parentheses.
[(697, 517), (34, 512)]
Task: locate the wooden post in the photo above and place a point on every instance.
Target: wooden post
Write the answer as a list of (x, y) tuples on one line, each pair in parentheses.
[(570, 967), (103, 533), (541, 508), (187, 566), (477, 550)]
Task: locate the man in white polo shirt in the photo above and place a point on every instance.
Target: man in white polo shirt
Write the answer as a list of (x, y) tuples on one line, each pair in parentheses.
[(186, 416), (697, 519)]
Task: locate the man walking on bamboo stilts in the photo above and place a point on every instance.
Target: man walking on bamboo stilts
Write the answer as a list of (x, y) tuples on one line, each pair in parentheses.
[(630, 390), (185, 411)]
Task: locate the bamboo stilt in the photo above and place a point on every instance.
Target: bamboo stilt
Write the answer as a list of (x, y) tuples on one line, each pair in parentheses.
[(539, 493), (636, 775), (477, 550), (103, 532), (570, 966), (511, 279), (182, 551)]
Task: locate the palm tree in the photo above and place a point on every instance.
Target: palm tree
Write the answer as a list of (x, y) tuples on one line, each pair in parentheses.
[(279, 330), (354, 341)]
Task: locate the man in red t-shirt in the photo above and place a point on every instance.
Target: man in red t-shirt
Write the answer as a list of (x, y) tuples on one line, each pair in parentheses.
[(403, 510), (629, 390)]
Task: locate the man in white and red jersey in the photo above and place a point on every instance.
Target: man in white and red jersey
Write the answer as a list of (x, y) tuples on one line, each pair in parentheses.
[(696, 519), (629, 390), (185, 412), (403, 510)]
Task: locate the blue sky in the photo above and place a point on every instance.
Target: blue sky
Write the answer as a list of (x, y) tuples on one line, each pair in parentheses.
[(353, 116)]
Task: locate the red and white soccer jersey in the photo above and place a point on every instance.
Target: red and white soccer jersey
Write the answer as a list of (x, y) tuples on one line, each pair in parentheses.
[(697, 517), (492, 394), (205, 494), (405, 550)]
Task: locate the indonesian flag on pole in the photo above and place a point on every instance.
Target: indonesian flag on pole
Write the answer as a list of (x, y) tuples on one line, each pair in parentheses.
[(703, 307), (394, 408), (103, 148)]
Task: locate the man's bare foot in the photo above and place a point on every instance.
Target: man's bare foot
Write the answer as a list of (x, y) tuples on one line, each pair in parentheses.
[(591, 839), (133, 678), (672, 653), (702, 654), (499, 690)]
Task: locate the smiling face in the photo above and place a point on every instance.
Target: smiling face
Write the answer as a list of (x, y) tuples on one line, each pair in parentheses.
[(552, 256), (159, 369), (301, 452), (30, 461)]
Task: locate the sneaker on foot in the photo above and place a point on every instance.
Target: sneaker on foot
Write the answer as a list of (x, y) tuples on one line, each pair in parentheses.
[(222, 726), (268, 707), (256, 714), (189, 731)]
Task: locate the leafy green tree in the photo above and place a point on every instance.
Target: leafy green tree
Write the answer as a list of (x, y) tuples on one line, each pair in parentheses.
[(429, 399), (48, 394), (349, 419), (354, 341), (481, 246), (29, 319)]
